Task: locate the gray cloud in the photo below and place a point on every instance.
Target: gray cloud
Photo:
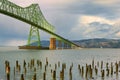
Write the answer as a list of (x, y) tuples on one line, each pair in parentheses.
[(11, 28), (91, 8), (97, 30)]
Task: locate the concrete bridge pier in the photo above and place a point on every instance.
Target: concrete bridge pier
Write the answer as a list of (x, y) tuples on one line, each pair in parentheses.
[(52, 45), (68, 46), (59, 44), (65, 45)]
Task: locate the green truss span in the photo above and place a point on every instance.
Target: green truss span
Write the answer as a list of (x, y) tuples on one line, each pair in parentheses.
[(31, 15)]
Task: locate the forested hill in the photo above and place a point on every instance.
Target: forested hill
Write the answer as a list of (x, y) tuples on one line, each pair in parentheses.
[(99, 43)]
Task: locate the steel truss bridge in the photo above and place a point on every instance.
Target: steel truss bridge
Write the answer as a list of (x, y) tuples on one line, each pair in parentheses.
[(33, 16)]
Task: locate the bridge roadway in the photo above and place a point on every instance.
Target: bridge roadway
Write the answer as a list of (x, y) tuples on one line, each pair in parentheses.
[(31, 15)]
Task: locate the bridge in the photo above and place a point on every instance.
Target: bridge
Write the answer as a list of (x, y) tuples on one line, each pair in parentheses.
[(33, 16)]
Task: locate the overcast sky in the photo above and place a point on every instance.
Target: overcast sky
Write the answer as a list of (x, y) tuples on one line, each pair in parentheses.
[(73, 19)]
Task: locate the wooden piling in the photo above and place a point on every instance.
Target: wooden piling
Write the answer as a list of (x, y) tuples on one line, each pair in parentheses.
[(44, 76), (22, 77), (98, 64), (54, 74), (63, 66), (107, 72), (102, 73), (91, 73), (78, 66), (55, 66), (17, 65), (40, 64), (61, 75), (24, 64), (82, 71), (34, 69), (107, 65), (14, 72), (45, 67), (111, 69), (25, 70), (96, 70), (34, 77), (19, 68), (46, 61), (101, 64), (116, 69), (58, 63), (86, 71), (8, 72), (93, 63)]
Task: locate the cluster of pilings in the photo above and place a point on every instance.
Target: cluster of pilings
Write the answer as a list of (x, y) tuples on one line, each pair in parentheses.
[(88, 71), (100, 69)]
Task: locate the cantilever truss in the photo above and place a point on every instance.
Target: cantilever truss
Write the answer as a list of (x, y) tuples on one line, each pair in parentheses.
[(31, 15)]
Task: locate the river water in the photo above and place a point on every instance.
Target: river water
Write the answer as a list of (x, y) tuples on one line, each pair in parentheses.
[(69, 57)]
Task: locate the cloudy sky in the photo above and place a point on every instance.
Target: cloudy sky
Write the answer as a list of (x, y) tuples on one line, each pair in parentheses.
[(73, 19)]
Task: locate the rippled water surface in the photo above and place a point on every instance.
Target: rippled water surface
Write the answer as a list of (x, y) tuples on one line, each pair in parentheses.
[(68, 57)]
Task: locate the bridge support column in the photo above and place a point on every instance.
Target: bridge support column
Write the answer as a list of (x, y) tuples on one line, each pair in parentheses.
[(52, 45), (59, 44), (69, 46), (34, 36), (65, 45)]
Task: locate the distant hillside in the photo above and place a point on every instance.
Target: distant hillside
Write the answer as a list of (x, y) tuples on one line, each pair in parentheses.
[(99, 43), (91, 43)]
